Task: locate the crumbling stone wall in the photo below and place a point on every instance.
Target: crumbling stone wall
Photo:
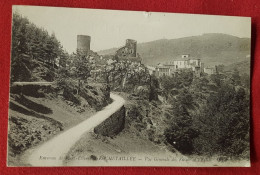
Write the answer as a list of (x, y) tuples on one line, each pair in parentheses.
[(113, 125), (129, 50)]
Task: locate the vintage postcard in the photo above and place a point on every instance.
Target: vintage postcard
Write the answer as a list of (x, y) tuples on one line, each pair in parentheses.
[(92, 87)]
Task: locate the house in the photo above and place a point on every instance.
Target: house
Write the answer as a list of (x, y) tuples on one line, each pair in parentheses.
[(210, 70), (161, 70), (185, 62)]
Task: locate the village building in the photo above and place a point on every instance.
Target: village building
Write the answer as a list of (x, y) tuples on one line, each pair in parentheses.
[(185, 62), (162, 70), (210, 70)]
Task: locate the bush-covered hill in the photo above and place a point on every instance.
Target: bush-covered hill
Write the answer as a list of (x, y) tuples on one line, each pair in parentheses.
[(243, 67), (212, 48)]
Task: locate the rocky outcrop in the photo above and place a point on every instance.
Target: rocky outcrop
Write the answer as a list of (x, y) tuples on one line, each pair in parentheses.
[(113, 125), (97, 96)]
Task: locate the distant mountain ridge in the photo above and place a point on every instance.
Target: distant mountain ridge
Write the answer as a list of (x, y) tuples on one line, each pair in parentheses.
[(211, 48)]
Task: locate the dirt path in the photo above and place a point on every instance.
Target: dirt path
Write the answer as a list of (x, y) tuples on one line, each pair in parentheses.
[(32, 83), (52, 152)]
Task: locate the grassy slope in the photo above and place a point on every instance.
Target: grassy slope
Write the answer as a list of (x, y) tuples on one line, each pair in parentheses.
[(35, 126), (124, 144)]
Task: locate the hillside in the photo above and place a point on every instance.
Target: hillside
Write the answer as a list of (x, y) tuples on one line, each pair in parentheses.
[(242, 67), (211, 48)]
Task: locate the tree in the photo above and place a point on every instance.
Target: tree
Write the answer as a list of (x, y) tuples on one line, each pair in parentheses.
[(245, 81), (178, 81), (30, 41), (224, 122), (236, 80), (168, 83), (83, 67), (64, 57), (107, 72), (220, 68), (154, 88), (52, 48), (19, 35), (181, 131)]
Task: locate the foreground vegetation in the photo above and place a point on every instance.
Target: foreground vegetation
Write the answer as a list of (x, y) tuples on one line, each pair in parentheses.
[(210, 114)]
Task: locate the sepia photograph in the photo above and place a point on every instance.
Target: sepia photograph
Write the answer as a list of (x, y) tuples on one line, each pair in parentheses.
[(96, 87)]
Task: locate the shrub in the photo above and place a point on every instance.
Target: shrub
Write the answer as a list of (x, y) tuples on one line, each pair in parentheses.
[(68, 95)]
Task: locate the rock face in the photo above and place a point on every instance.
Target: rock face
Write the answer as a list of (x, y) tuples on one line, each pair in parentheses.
[(96, 96), (113, 125)]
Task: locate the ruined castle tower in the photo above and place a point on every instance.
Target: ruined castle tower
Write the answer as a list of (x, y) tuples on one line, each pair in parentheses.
[(131, 45), (83, 43)]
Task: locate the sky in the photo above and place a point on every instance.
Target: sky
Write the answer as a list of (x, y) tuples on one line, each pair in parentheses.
[(110, 28)]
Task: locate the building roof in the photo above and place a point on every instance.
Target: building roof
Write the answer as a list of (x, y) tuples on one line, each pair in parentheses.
[(162, 66), (179, 58), (209, 68)]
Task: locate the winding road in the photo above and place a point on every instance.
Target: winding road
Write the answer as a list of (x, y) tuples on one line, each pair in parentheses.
[(52, 152), (41, 83)]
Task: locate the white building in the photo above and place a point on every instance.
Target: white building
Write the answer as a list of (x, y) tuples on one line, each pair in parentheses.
[(209, 70), (186, 62), (162, 70)]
